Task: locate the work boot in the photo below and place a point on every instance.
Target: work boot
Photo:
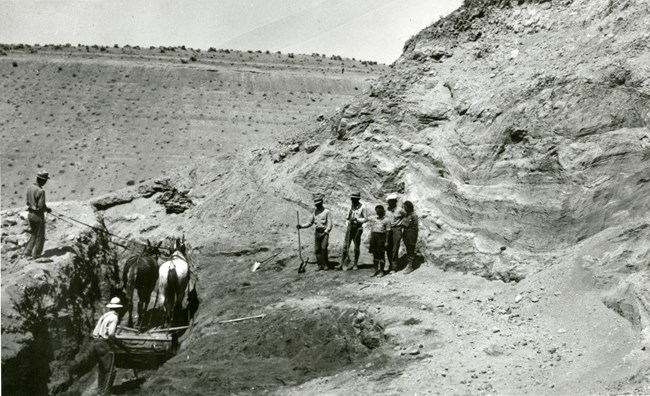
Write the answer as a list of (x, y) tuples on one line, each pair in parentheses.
[(320, 268), (409, 268)]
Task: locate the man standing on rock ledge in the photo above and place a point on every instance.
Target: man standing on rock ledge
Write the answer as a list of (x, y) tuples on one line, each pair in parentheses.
[(357, 217), (37, 207), (322, 218)]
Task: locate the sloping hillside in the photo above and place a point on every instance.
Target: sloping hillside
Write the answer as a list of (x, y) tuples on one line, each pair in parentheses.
[(520, 130), (102, 118)]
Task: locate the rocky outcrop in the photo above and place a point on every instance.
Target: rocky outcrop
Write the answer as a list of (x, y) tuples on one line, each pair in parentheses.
[(518, 129)]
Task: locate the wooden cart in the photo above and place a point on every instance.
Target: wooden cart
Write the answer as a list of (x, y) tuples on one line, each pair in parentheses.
[(141, 351)]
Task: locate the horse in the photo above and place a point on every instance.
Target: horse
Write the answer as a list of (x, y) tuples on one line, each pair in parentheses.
[(140, 273), (173, 278)]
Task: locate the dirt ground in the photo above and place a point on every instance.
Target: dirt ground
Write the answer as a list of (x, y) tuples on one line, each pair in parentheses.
[(518, 129)]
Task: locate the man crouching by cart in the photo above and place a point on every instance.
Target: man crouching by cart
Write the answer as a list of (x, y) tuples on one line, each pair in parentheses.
[(99, 350)]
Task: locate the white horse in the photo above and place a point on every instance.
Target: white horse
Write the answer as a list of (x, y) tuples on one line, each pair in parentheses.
[(173, 277)]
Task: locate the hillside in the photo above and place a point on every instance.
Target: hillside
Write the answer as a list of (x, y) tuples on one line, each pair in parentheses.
[(520, 131), (101, 118)]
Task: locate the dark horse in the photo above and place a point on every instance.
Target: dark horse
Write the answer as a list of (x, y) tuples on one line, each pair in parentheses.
[(141, 273)]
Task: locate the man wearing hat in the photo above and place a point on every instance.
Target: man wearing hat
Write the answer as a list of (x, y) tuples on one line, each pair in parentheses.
[(322, 217), (99, 351), (357, 217), (396, 215), (37, 207)]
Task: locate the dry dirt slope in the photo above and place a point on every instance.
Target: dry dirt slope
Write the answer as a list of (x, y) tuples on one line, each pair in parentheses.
[(100, 118), (521, 133), (516, 126)]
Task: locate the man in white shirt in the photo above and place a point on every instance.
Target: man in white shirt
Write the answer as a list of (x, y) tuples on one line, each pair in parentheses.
[(99, 350)]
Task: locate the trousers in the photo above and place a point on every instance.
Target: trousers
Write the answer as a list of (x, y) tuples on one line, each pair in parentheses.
[(378, 249), (97, 352), (394, 240), (36, 241), (321, 245), (410, 240), (352, 234)]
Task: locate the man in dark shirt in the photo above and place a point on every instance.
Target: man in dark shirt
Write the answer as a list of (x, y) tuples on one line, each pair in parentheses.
[(37, 208)]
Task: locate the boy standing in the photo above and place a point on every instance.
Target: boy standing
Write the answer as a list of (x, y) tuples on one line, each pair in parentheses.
[(380, 228)]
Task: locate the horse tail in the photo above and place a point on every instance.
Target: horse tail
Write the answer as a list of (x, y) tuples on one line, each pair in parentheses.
[(127, 268), (172, 286)]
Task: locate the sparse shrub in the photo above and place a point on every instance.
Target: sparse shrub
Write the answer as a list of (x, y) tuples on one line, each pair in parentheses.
[(116, 46), (212, 49), (290, 55), (193, 58), (267, 52), (278, 52), (183, 61), (183, 47), (162, 50), (249, 51), (14, 64)]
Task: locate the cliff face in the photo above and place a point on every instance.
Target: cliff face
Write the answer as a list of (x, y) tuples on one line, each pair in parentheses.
[(516, 126)]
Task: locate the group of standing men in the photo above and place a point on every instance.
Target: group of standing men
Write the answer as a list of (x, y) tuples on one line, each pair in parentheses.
[(389, 227)]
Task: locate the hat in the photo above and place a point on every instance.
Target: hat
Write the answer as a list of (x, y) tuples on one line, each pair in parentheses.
[(43, 175), (356, 195), (318, 198), (391, 197), (115, 303)]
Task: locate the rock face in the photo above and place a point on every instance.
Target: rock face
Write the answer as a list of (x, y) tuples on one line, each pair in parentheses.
[(520, 130), (507, 128)]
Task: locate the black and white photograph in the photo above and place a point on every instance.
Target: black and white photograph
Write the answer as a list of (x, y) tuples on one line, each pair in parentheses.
[(325, 197)]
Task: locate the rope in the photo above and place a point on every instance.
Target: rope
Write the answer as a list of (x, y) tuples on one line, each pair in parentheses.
[(68, 220)]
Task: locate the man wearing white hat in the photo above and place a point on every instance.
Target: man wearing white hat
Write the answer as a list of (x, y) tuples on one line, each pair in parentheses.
[(99, 351), (37, 208)]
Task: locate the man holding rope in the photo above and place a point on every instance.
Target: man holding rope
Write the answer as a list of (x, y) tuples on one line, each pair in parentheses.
[(36, 217)]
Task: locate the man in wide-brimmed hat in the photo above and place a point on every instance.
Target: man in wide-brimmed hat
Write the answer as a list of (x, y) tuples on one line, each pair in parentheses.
[(357, 217), (37, 208), (322, 218), (98, 351)]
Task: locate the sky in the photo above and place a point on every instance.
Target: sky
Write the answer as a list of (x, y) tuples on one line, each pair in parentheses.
[(364, 29)]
